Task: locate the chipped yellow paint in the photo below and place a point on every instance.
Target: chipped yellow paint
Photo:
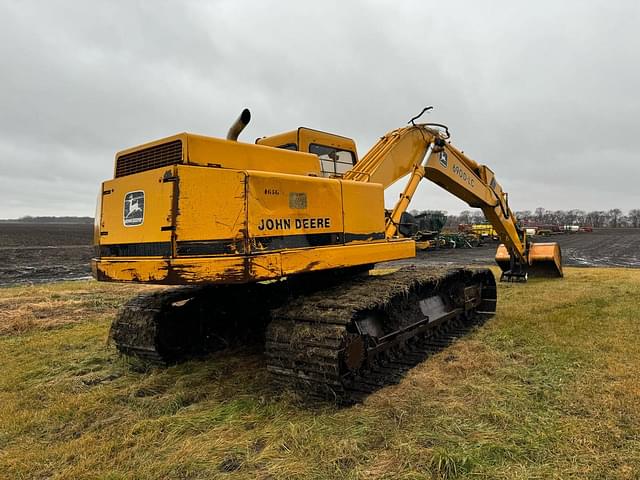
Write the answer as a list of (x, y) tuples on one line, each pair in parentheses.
[(211, 204), (248, 268)]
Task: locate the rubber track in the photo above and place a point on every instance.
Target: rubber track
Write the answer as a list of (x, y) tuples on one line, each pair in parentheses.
[(171, 325), (137, 329), (305, 338), (156, 329)]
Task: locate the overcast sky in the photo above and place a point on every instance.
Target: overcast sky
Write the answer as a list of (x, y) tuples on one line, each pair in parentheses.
[(545, 93)]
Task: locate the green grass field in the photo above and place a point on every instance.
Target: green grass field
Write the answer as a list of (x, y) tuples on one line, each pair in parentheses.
[(548, 388)]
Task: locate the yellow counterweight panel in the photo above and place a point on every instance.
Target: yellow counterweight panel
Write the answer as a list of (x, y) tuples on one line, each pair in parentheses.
[(211, 215), (150, 194), (482, 229)]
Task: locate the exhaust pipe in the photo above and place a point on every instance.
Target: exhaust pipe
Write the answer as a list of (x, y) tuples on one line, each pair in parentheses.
[(237, 126)]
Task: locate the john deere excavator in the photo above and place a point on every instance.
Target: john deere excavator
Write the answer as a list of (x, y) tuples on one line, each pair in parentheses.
[(283, 233)]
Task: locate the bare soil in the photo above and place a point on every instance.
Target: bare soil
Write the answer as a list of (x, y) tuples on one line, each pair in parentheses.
[(35, 253), (600, 248)]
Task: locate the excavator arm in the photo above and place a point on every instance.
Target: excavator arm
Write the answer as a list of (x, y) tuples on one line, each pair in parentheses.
[(423, 151)]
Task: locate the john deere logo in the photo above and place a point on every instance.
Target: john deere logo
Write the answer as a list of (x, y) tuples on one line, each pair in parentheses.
[(134, 208), (443, 159)]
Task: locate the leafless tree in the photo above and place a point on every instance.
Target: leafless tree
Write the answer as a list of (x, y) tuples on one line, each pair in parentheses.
[(465, 216), (634, 217), (541, 216), (614, 215)]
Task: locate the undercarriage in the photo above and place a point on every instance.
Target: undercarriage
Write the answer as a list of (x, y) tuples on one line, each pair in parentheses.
[(336, 337)]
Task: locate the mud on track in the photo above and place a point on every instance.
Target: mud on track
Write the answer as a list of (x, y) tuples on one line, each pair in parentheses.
[(33, 253)]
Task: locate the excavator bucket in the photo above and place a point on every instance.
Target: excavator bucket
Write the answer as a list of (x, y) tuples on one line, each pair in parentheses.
[(544, 260)]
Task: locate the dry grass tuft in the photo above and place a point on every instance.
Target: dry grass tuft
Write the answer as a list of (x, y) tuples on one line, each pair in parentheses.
[(549, 388), (47, 306)]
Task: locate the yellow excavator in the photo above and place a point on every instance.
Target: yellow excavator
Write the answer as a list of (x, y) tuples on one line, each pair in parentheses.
[(282, 234)]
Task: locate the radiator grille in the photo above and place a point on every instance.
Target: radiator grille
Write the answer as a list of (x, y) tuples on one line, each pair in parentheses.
[(149, 158)]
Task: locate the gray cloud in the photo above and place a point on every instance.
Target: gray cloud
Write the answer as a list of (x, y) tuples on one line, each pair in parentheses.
[(544, 93)]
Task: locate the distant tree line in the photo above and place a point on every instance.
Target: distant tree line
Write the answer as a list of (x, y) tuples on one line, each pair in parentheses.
[(614, 218)]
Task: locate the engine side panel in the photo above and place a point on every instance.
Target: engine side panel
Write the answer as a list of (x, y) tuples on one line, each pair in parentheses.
[(217, 225), (292, 211), (363, 207)]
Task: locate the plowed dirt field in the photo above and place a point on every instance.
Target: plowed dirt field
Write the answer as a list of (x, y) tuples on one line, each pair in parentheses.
[(35, 253)]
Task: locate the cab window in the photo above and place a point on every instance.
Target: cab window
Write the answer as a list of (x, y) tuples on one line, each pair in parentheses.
[(333, 161)]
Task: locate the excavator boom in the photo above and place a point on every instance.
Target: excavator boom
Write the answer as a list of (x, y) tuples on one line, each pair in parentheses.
[(425, 152)]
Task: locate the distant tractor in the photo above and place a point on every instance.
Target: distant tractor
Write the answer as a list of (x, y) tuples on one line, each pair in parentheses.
[(484, 231)]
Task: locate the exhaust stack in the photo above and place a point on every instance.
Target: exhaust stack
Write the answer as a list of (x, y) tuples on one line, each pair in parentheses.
[(241, 122)]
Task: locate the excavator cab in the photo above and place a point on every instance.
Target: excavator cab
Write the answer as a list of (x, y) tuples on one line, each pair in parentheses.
[(337, 154)]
